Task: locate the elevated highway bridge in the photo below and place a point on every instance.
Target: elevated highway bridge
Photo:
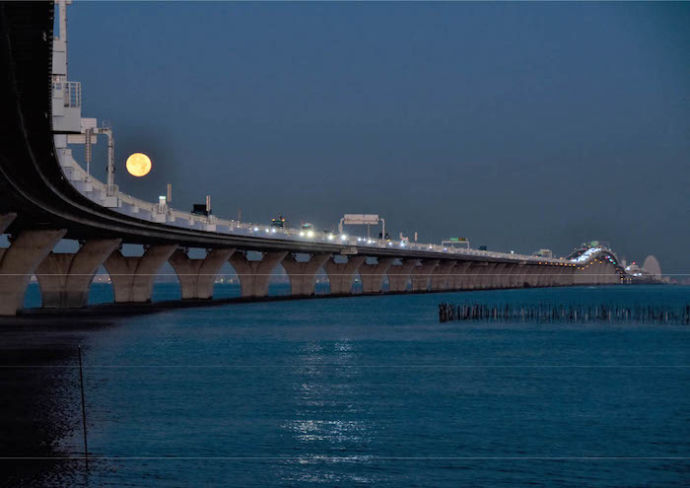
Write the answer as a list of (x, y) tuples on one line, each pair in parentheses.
[(46, 196)]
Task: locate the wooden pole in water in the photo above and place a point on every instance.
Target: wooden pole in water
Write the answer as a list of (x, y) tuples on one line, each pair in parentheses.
[(83, 409)]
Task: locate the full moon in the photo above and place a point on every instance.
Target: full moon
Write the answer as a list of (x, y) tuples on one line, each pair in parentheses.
[(138, 164)]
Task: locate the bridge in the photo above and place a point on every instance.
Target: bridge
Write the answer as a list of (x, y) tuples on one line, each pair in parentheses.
[(46, 196)]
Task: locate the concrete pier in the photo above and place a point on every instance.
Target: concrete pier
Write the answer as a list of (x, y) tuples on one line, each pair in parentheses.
[(302, 274), (473, 275), (442, 277), (498, 277), (567, 276), (542, 273), (19, 261), (486, 277), (529, 276), (65, 278), (515, 272), (596, 272), (399, 275), (421, 274), (132, 276), (197, 276), (341, 275), (460, 278), (372, 275), (255, 275)]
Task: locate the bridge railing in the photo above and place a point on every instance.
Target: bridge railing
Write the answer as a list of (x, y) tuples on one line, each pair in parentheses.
[(155, 212)]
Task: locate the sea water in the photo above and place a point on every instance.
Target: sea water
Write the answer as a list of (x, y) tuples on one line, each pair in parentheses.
[(352, 391)]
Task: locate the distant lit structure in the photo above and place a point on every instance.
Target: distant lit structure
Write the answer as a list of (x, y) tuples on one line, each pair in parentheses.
[(649, 272), (456, 242), (651, 266)]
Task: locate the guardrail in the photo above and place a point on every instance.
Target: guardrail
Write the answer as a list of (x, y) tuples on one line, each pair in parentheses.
[(154, 212)]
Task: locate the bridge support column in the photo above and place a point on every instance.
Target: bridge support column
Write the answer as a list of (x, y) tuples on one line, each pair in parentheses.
[(65, 278), (254, 275), (477, 275), (372, 275), (399, 275), (515, 279), (302, 274), (498, 277), (197, 276), (460, 277), (487, 275), (19, 261), (508, 275), (563, 276), (421, 275), (531, 276), (470, 276), (581, 275), (545, 276), (538, 274), (554, 275), (597, 272), (442, 277), (340, 275), (132, 276)]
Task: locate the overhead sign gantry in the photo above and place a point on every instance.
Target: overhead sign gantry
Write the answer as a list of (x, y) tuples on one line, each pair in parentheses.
[(363, 219)]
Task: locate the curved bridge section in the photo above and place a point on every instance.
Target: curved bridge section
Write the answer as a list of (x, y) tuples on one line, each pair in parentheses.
[(39, 205)]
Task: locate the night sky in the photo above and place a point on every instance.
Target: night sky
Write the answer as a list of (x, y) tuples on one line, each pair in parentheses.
[(520, 126)]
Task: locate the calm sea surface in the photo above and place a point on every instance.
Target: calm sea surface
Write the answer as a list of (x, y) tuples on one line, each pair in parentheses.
[(346, 392)]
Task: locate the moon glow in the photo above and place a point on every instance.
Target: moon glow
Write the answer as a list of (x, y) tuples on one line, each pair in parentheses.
[(138, 165)]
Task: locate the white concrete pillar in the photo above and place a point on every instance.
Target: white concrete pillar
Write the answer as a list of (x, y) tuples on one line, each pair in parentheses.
[(254, 275), (532, 275), (540, 273), (601, 272), (579, 278), (65, 278), (442, 276), (399, 275), (372, 275), (421, 274), (197, 276), (595, 272), (132, 276), (460, 277), (481, 275), (498, 277), (470, 279), (553, 275), (565, 275), (549, 275), (19, 261), (521, 272), (302, 274), (513, 271), (341, 275)]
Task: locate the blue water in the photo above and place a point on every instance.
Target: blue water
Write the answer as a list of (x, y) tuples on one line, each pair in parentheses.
[(374, 391)]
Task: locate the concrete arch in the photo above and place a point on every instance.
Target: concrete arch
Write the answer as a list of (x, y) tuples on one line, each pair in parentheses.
[(254, 274), (197, 276), (302, 270)]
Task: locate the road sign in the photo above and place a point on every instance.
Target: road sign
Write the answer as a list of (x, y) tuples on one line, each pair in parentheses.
[(360, 219)]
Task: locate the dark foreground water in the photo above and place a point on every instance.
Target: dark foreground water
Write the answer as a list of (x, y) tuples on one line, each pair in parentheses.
[(345, 392)]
